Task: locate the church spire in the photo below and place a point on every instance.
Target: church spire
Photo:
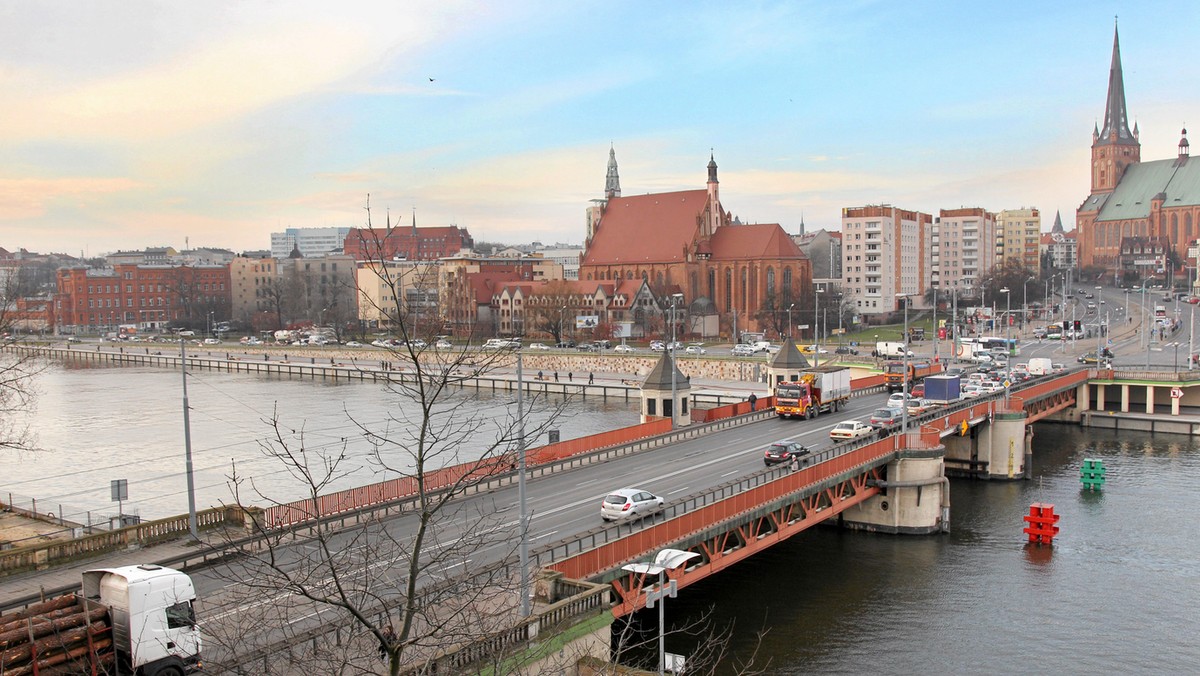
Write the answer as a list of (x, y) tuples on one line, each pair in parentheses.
[(612, 182), (1058, 226), (1116, 118)]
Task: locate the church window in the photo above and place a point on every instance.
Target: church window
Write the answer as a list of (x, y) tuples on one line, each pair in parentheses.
[(745, 295), (712, 284), (787, 282), (659, 277), (1187, 227), (728, 287), (770, 281), (1174, 228)]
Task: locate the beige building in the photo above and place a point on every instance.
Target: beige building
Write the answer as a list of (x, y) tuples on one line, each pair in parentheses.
[(884, 253), (963, 248), (1018, 237), (468, 283), (390, 289), (251, 280)]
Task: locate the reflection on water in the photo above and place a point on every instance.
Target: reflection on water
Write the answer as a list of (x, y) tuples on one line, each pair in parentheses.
[(1116, 593), (100, 424)]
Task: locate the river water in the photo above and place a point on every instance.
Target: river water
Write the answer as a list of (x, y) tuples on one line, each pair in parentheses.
[(100, 423), (1118, 592)]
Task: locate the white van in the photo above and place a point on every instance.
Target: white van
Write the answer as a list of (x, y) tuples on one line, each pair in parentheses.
[(1040, 366), (887, 349)]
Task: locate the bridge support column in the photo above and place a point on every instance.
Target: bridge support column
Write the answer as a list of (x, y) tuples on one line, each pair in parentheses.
[(914, 499), (1083, 395), (1174, 406), (1124, 399), (1150, 400), (1006, 453), (1100, 397)]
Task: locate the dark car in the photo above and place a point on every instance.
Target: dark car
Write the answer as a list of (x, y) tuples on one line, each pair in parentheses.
[(842, 349), (783, 451), (587, 347), (566, 344)]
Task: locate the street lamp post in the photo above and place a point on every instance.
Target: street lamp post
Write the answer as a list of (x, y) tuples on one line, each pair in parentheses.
[(1099, 332), (816, 334), (666, 559), (671, 351), (904, 378), (526, 609), (1025, 302), (789, 326), (1191, 338), (1007, 336), (560, 324)]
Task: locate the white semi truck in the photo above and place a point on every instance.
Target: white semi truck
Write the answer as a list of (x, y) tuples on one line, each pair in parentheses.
[(128, 620)]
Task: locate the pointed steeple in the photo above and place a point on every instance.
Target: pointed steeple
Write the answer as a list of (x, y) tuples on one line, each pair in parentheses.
[(414, 232), (1058, 226), (612, 182), (1116, 118), (712, 168)]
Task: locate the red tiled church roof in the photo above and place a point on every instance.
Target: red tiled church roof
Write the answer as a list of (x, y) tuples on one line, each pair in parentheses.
[(647, 228), (754, 241)]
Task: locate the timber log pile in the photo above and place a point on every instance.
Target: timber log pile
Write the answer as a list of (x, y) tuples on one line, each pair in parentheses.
[(64, 636)]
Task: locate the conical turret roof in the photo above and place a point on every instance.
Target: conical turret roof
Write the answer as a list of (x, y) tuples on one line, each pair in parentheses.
[(659, 377), (789, 357)]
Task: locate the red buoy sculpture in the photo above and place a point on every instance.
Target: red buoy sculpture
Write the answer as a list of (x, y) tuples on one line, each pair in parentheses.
[(1041, 520)]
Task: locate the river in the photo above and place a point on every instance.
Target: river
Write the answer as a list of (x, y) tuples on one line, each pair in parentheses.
[(95, 424), (1118, 591)]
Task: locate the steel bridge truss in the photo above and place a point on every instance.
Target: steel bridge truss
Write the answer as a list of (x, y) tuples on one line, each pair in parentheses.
[(726, 544)]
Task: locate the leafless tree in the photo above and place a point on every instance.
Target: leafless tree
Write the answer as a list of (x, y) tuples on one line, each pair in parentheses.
[(406, 584), (17, 368)]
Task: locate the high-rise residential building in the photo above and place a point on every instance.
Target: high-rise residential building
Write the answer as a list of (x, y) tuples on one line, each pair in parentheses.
[(310, 241), (965, 249), (883, 255), (1154, 200), (1018, 236)]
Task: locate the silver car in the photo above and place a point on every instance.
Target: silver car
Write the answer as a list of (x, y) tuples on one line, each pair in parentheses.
[(629, 503)]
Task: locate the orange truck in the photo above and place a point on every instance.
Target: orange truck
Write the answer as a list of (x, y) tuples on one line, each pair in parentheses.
[(893, 373), (820, 389)]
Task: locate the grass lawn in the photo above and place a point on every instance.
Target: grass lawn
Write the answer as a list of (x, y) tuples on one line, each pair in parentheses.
[(890, 332)]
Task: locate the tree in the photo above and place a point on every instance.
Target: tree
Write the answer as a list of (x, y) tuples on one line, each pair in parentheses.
[(17, 371), (383, 578)]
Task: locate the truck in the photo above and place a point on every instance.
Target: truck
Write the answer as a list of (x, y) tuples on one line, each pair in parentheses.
[(893, 373), (820, 389), (943, 389), (1040, 366), (889, 349), (129, 620)]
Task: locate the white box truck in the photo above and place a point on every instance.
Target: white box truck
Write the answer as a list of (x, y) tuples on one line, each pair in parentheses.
[(128, 620)]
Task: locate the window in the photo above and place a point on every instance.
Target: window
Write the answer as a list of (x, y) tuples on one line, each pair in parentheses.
[(181, 615)]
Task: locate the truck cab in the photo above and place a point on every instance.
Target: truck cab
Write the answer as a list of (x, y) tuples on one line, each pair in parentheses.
[(153, 616)]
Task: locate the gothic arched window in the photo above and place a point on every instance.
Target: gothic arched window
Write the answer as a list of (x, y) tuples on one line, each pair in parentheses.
[(728, 287), (770, 281)]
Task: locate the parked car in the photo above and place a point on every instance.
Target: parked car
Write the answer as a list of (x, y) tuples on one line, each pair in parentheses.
[(587, 347), (565, 345), (625, 348), (350, 343), (883, 417), (843, 349), (212, 341), (851, 429), (742, 350), (417, 344), (539, 346), (444, 344), (629, 503), (783, 451), (694, 349)]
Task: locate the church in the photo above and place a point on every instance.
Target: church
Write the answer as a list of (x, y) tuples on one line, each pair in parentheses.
[(1150, 201), (733, 276)]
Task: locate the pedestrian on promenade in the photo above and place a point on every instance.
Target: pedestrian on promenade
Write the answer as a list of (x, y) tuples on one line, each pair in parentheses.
[(570, 377), (591, 379), (753, 401), (556, 376)]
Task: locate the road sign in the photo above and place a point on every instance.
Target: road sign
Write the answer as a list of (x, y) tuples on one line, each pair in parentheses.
[(802, 326), (1007, 383), (838, 332), (1176, 393), (963, 428)]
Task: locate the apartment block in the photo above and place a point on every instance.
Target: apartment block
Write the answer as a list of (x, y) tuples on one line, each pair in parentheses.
[(965, 247), (884, 254), (309, 241), (1018, 237)]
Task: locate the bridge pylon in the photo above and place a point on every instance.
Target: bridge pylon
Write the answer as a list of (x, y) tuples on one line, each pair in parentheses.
[(914, 499)]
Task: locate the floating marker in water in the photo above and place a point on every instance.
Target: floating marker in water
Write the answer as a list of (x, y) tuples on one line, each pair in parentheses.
[(1041, 519), (1091, 474)]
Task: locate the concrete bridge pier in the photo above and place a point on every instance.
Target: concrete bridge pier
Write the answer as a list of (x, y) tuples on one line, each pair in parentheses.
[(1004, 446), (913, 500)]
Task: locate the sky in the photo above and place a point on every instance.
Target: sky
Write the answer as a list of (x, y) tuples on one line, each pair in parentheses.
[(129, 124)]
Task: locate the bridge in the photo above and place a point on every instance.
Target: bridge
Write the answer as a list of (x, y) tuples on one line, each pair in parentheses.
[(895, 484)]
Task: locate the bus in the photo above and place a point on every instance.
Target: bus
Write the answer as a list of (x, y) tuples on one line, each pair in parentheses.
[(1006, 347), (1054, 331)]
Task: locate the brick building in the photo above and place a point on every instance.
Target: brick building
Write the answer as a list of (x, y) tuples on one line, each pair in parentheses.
[(147, 296), (408, 243)]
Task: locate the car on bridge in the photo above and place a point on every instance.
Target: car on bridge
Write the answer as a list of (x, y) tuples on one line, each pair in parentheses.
[(885, 417), (784, 451), (919, 406), (629, 503), (972, 390), (851, 429)]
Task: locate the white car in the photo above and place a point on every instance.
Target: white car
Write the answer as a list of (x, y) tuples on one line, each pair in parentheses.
[(851, 429), (972, 390), (991, 387), (443, 344), (212, 341), (629, 503), (625, 348), (353, 343), (657, 345), (742, 350), (694, 349), (539, 346), (897, 400)]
